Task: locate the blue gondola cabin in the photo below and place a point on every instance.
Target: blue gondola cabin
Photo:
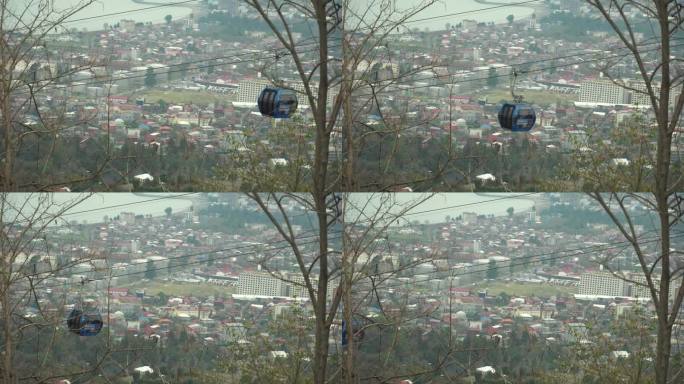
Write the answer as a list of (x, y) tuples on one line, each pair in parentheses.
[(277, 103), (357, 330), (82, 323), (517, 117)]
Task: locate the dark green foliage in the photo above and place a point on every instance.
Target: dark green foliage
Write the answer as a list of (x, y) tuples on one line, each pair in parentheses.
[(418, 162), (150, 78), (150, 271), (163, 106), (492, 272), (492, 78), (225, 26), (561, 25)]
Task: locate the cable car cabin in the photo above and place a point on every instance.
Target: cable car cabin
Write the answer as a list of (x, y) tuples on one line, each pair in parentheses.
[(517, 117), (357, 330), (277, 103), (84, 323)]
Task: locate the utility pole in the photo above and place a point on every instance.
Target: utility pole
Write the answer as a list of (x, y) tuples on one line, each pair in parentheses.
[(348, 116), (347, 274), (348, 159)]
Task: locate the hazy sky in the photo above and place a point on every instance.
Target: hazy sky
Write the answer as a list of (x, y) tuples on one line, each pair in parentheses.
[(98, 205), (440, 8), (466, 9), (436, 207)]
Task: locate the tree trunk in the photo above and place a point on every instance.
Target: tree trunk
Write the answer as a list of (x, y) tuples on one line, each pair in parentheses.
[(321, 350), (7, 122), (663, 158), (321, 310), (7, 331), (319, 195), (663, 347)]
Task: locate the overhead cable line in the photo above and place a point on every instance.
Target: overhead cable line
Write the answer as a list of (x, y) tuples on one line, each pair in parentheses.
[(335, 232), (182, 265), (165, 5), (543, 69), (285, 53), (69, 212), (526, 260), (392, 81)]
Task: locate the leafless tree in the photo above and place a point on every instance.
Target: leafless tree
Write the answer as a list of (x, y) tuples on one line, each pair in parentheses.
[(661, 83), (316, 284), (40, 282), (327, 75), (26, 265), (338, 274), (35, 58)]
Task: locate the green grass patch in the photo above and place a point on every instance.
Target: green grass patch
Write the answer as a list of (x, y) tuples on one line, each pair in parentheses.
[(494, 288), (182, 97), (152, 288), (542, 98)]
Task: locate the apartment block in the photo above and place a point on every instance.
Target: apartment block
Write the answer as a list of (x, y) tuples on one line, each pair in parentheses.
[(602, 284), (290, 285), (605, 91), (602, 91), (249, 90), (605, 284), (642, 98), (260, 284)]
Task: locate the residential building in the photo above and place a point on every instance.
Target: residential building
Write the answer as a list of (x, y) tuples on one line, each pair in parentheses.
[(643, 99), (602, 91), (249, 90), (639, 287), (260, 284), (606, 91), (265, 284), (602, 284), (607, 284), (297, 289)]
